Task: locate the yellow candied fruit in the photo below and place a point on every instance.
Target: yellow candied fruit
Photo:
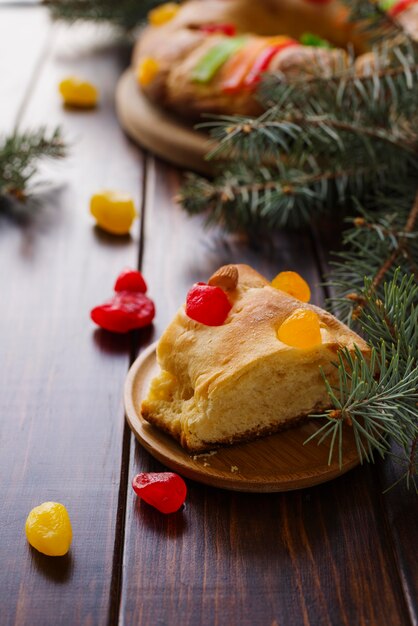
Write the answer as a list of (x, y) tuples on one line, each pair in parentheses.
[(163, 14), (163, 386), (78, 93), (114, 211), (301, 329), (48, 529), (293, 284), (148, 69)]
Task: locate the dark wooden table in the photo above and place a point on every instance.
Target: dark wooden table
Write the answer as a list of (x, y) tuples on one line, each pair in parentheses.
[(342, 553)]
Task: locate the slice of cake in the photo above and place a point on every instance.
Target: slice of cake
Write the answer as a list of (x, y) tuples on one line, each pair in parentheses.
[(249, 366)]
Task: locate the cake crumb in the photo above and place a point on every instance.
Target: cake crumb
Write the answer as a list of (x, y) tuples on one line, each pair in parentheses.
[(206, 464), (196, 457), (234, 468)]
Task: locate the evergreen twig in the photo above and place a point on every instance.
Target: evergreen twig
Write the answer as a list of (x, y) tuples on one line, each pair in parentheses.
[(19, 157), (325, 140), (379, 241), (378, 399)]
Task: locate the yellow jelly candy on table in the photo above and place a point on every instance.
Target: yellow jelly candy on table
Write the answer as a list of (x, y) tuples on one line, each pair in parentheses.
[(293, 284), (148, 69), (48, 529), (114, 211), (163, 14), (301, 329), (78, 93)]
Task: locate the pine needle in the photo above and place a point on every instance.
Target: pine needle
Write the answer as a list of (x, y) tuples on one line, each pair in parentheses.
[(20, 154)]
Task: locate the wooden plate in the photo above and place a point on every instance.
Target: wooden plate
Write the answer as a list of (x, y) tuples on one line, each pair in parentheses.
[(277, 463), (158, 131)]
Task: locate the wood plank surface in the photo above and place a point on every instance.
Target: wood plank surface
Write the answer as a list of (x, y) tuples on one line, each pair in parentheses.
[(61, 408), (24, 35), (342, 553), (318, 556)]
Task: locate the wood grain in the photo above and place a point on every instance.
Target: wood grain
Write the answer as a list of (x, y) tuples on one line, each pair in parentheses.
[(61, 386), (24, 36), (341, 553), (312, 557)]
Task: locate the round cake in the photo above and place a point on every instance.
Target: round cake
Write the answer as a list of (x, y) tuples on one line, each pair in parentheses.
[(209, 56)]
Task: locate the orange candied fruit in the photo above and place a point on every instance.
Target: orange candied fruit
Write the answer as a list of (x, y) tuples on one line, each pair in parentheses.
[(147, 71), (77, 92), (293, 284), (301, 329), (163, 14)]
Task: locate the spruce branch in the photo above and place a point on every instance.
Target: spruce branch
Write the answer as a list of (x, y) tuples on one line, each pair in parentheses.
[(378, 398), (375, 399), (380, 240), (20, 154), (125, 14), (267, 198), (325, 140), (373, 18)]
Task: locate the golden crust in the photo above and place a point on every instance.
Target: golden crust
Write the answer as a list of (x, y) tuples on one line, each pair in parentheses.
[(241, 370), (249, 334), (245, 437)]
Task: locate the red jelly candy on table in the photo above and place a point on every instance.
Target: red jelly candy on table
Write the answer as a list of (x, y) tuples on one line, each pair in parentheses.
[(163, 490), (207, 304), (130, 280), (126, 311)]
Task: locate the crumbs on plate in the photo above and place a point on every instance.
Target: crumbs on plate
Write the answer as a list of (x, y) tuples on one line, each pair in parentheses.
[(196, 457)]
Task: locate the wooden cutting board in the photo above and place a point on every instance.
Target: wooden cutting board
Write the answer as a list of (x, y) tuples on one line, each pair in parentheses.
[(156, 130), (279, 462)]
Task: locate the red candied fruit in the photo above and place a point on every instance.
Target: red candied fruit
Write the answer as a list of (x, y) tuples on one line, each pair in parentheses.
[(207, 304), (130, 280), (165, 491), (126, 311), (400, 7), (225, 29)]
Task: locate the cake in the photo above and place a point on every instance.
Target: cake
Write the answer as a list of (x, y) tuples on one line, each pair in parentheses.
[(238, 380), (173, 47), (209, 57)]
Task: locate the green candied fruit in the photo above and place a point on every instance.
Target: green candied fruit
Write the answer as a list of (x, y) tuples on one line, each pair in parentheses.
[(309, 39), (213, 60), (387, 4)]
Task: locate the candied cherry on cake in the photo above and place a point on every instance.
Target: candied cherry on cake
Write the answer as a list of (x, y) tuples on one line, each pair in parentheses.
[(399, 6), (207, 304), (164, 491), (293, 284), (229, 30), (301, 329)]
